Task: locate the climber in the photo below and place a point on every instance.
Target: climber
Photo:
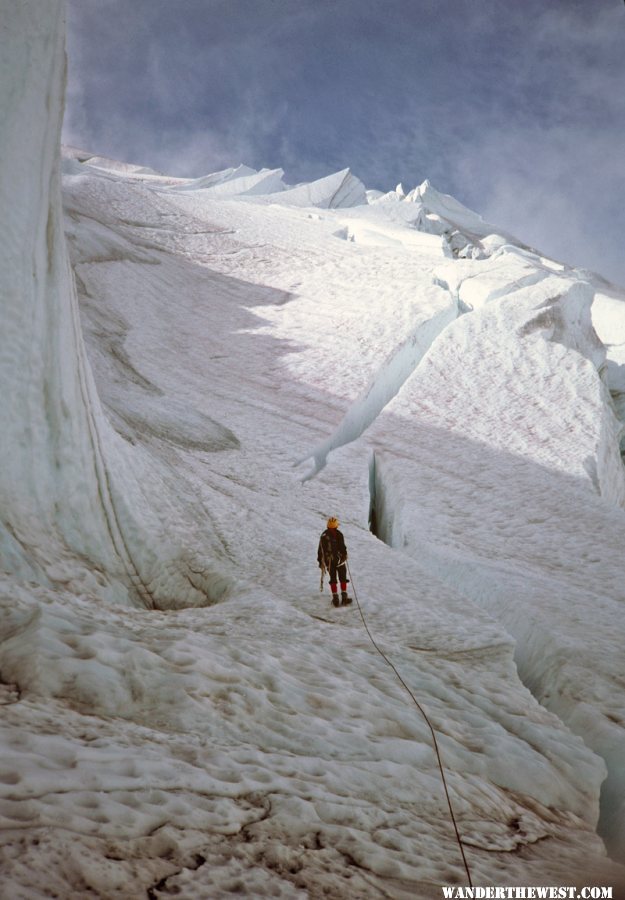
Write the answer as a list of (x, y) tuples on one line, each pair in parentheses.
[(331, 556)]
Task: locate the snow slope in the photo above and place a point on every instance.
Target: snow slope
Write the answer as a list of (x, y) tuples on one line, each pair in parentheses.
[(523, 510), (184, 712)]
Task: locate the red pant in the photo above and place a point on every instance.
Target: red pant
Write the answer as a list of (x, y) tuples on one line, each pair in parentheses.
[(339, 569)]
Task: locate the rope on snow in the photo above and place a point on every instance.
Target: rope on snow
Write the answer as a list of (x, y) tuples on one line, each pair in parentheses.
[(429, 724)]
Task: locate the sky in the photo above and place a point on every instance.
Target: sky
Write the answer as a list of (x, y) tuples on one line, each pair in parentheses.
[(515, 108)]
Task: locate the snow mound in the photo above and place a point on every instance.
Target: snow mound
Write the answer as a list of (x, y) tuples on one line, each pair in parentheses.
[(332, 192), (241, 181), (114, 165), (432, 212), (103, 162), (448, 208)]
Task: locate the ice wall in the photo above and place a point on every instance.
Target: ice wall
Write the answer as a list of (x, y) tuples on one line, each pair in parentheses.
[(49, 486), (73, 507)]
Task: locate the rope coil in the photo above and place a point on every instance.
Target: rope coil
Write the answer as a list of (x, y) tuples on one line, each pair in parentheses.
[(429, 724)]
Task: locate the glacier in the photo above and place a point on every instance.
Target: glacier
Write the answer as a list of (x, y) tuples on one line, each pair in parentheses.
[(195, 374)]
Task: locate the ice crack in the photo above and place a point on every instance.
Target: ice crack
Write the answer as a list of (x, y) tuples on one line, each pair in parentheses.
[(385, 385)]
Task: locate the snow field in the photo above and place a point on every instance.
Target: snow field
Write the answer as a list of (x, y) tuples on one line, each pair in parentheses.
[(210, 726), (266, 346)]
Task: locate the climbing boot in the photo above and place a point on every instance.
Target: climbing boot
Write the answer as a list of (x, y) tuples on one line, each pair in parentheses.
[(335, 600), (345, 600)]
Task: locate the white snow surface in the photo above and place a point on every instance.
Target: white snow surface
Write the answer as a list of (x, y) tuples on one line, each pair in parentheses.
[(231, 361)]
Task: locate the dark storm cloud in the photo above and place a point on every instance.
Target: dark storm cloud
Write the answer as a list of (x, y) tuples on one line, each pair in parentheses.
[(518, 109)]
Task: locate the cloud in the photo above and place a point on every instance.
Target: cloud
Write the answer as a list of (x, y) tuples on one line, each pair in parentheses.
[(554, 188), (517, 109), (552, 173)]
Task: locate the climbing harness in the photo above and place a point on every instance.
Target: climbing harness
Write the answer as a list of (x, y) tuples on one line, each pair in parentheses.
[(429, 724)]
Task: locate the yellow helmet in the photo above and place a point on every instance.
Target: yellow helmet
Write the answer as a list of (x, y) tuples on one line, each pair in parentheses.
[(333, 522)]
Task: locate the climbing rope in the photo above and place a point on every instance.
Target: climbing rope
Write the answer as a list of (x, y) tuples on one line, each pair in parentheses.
[(425, 716)]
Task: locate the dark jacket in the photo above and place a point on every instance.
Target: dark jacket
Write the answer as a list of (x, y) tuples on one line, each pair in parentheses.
[(332, 548)]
